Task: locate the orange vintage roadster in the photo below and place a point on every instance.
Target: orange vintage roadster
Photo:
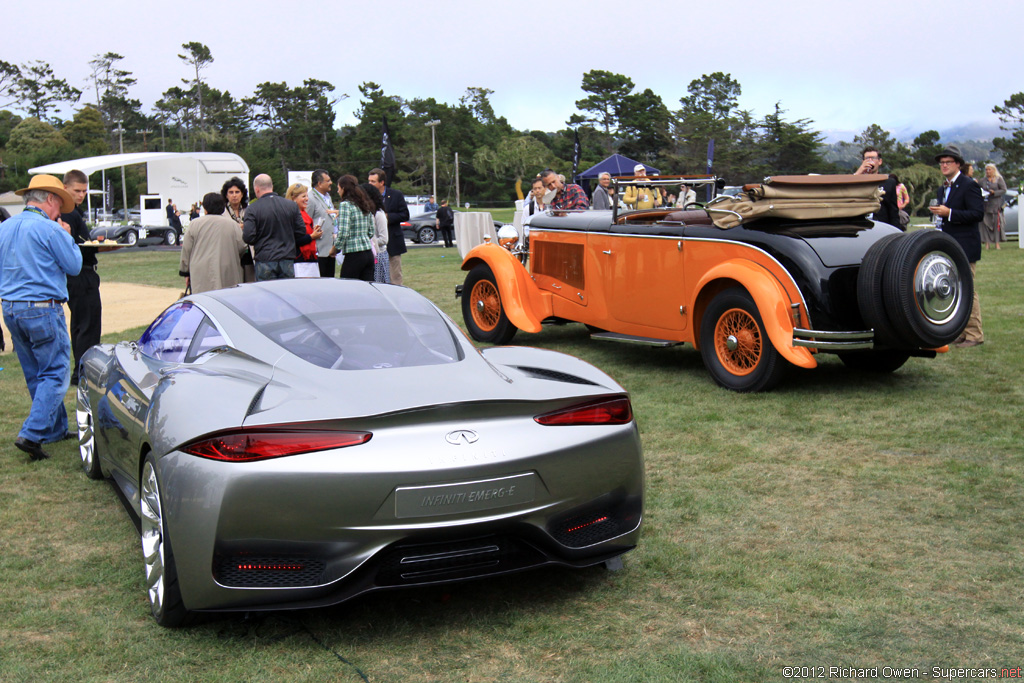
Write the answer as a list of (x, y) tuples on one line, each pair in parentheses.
[(790, 268)]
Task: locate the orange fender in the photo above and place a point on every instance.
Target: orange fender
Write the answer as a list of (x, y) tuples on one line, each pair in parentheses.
[(524, 304), (773, 303)]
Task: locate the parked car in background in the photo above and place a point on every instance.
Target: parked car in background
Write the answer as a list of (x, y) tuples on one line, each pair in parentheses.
[(422, 229), (122, 234), (757, 283), (101, 215), (134, 215), (296, 443), (132, 233), (1011, 215)]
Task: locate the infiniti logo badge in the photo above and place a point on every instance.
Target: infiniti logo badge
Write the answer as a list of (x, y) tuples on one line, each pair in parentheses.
[(461, 436)]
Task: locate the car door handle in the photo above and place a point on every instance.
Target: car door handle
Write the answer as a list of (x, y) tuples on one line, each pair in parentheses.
[(607, 251)]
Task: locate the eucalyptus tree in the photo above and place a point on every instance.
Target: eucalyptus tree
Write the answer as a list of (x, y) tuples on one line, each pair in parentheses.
[(111, 85), (1011, 113), (9, 75), (39, 91), (199, 57), (297, 124), (607, 92), (711, 112)]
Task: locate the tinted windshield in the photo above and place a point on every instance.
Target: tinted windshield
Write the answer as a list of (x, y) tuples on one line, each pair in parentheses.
[(389, 327)]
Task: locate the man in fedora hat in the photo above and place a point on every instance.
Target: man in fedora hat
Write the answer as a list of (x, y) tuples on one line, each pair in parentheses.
[(37, 253), (959, 209)]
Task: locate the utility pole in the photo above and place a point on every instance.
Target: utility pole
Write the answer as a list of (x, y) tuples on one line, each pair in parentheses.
[(457, 201), (124, 184), (145, 145), (433, 151)]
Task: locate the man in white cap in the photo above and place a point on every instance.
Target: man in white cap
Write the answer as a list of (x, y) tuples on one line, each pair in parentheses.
[(641, 196), (37, 253)]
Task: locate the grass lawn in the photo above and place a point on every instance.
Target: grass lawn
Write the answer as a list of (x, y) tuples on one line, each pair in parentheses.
[(841, 521)]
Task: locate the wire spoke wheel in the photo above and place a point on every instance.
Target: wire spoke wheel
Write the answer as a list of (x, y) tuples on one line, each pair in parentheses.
[(482, 309), (738, 342), (735, 346), (486, 303)]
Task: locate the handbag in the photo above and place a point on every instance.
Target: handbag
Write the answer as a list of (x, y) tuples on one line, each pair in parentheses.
[(305, 269)]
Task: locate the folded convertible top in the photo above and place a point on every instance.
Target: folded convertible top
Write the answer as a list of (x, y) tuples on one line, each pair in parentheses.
[(802, 198)]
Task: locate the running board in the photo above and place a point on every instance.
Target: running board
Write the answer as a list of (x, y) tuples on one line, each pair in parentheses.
[(630, 339)]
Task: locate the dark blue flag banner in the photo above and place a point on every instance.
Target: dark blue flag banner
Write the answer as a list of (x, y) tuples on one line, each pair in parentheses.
[(387, 155), (711, 159), (576, 153)]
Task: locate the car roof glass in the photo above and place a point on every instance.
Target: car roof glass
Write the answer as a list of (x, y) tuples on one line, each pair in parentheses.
[(367, 330)]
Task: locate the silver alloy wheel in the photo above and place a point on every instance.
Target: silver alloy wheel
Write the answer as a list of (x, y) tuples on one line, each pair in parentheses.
[(936, 287), (131, 238), (86, 432), (152, 537)]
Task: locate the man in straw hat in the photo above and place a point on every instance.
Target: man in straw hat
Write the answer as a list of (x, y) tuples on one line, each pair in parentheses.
[(37, 253), (959, 209)]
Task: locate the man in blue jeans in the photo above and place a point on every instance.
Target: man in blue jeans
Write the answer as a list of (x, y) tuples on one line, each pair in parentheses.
[(37, 253), (274, 227)]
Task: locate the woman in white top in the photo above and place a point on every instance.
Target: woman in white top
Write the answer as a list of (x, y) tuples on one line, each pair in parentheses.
[(379, 241)]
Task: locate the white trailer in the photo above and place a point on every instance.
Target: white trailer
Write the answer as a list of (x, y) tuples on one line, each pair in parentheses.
[(185, 178)]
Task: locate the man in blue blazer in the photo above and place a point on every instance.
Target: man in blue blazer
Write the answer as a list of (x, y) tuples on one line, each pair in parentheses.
[(960, 208)]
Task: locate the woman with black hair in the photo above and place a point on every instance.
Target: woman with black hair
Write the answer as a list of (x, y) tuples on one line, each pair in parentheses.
[(381, 269), (355, 230), (236, 196)]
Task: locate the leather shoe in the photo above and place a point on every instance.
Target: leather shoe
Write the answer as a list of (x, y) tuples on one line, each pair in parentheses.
[(34, 450), (960, 340), (68, 435), (966, 344)]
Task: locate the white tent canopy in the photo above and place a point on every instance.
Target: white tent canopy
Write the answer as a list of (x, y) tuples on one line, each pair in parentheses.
[(214, 162)]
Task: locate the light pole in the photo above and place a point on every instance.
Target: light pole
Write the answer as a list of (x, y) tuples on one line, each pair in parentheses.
[(433, 151), (124, 185)]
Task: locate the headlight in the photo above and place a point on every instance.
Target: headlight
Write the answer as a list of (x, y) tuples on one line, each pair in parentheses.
[(507, 236)]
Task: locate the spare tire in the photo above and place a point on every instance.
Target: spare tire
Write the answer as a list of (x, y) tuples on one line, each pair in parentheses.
[(928, 288), (870, 299)]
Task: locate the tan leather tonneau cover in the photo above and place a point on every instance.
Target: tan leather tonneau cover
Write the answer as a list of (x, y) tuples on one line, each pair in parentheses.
[(801, 197)]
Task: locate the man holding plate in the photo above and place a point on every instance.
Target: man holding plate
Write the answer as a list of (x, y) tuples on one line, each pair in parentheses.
[(83, 288)]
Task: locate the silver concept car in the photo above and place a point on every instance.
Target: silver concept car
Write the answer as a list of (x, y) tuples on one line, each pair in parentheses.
[(296, 443)]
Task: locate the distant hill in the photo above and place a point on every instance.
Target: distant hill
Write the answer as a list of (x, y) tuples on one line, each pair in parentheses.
[(974, 140), (982, 131)]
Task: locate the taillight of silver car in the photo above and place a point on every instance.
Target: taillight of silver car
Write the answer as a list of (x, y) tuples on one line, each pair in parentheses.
[(261, 444), (616, 411)]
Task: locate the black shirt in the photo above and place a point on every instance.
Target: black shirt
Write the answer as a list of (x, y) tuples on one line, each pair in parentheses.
[(445, 217), (80, 233)]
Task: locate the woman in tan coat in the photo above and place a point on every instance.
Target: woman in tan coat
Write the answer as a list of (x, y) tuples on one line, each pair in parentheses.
[(211, 249)]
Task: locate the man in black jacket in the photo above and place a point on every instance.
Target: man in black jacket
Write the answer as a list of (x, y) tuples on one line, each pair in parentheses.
[(888, 212), (274, 226), (397, 211), (446, 222), (83, 289), (959, 209)]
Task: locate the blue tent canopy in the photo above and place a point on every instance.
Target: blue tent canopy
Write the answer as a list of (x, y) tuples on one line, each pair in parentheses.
[(616, 165)]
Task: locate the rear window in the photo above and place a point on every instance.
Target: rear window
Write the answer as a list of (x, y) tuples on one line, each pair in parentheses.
[(390, 327)]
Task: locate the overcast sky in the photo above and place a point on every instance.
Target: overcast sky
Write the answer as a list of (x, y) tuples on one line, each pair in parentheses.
[(908, 66)]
